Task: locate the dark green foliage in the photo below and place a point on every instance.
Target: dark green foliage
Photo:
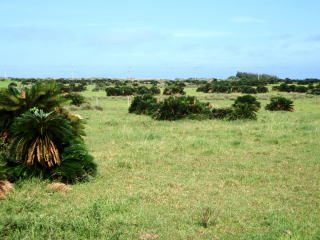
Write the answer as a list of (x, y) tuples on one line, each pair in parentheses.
[(38, 135), (314, 90), (155, 90), (248, 90), (142, 90), (244, 107), (230, 86), (243, 111), (76, 165), (145, 104), (301, 89), (284, 87), (174, 108), (220, 113), (262, 89), (172, 90), (247, 99), (120, 91), (14, 102), (25, 160), (75, 98), (280, 104)]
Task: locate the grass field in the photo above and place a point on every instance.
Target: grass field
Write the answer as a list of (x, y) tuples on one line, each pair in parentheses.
[(183, 180)]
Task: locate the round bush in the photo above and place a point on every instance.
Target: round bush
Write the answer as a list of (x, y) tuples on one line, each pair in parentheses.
[(145, 104), (76, 99), (280, 104)]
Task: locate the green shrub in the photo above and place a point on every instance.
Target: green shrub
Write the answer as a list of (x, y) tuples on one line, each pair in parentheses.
[(145, 104), (262, 89), (75, 98), (142, 90), (280, 104), (46, 145), (247, 99), (244, 107), (248, 90), (172, 90), (120, 91), (314, 90), (174, 108), (155, 90), (243, 111), (77, 165), (13, 102)]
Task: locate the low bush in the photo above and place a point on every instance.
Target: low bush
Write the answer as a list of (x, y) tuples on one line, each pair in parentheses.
[(244, 107), (247, 99), (243, 111), (262, 89), (145, 104), (120, 91), (155, 90), (172, 90), (174, 108), (75, 98), (248, 90), (280, 104), (314, 90)]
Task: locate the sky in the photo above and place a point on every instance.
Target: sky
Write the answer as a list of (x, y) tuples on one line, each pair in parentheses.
[(159, 39)]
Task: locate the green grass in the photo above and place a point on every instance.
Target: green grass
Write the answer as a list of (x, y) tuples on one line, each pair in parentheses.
[(4, 83), (259, 179)]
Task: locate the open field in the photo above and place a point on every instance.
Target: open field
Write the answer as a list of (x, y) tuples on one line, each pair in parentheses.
[(167, 180)]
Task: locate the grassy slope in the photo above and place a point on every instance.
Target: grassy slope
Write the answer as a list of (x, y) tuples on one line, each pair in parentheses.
[(260, 179)]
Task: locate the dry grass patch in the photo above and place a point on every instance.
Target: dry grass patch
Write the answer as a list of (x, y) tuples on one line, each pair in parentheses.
[(5, 188), (58, 187)]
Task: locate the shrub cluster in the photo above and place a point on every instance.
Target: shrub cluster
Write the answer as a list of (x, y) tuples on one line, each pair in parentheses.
[(128, 91), (173, 90), (144, 104), (174, 108), (244, 107), (171, 108), (231, 87), (179, 107), (311, 89)]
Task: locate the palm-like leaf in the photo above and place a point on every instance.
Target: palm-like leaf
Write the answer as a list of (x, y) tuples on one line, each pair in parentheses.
[(37, 138), (14, 102)]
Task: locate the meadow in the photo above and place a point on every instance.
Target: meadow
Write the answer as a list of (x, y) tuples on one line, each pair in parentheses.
[(186, 179)]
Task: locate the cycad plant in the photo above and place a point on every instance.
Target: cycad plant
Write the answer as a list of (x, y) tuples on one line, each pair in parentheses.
[(244, 107), (280, 104), (14, 102), (40, 136), (37, 137), (46, 145)]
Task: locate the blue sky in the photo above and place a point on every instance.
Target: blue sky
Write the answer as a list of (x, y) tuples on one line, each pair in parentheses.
[(160, 39)]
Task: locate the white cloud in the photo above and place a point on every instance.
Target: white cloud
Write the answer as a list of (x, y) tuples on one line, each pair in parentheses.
[(246, 19), (199, 34)]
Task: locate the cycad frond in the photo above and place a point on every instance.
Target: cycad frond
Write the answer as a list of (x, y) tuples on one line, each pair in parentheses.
[(37, 137)]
